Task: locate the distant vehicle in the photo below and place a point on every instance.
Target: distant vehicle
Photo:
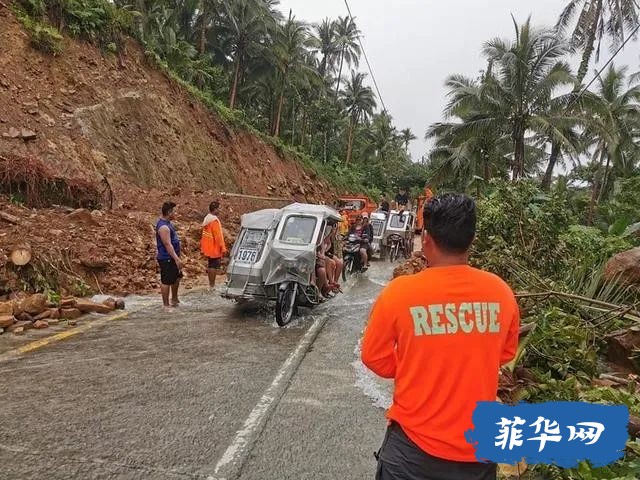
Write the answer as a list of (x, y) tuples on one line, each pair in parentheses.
[(355, 206), (378, 221), (274, 257), (399, 235)]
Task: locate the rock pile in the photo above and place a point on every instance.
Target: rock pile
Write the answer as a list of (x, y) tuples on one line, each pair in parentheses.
[(35, 311), (416, 264)]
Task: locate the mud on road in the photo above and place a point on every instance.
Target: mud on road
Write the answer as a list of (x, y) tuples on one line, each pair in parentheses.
[(210, 391)]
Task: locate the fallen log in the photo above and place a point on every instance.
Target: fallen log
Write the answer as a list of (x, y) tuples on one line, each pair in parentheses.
[(20, 255), (255, 197), (7, 217)]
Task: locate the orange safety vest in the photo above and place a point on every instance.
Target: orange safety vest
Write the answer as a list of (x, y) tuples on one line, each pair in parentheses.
[(212, 242)]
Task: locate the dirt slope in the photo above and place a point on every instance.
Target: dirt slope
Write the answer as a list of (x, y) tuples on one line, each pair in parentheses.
[(85, 116), (93, 117)]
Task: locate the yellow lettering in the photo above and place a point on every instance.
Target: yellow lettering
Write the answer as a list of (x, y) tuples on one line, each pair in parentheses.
[(420, 325), (494, 310), (481, 319), (450, 313), (435, 311), (467, 326)]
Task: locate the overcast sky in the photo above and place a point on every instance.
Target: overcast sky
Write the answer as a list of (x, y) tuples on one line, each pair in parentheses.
[(413, 45)]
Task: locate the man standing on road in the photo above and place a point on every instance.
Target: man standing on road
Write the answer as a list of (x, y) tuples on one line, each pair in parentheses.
[(168, 257), (402, 200), (212, 242), (368, 230), (442, 335), (384, 204)]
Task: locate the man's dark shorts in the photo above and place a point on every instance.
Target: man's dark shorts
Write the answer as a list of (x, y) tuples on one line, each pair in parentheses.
[(401, 459), (169, 273), (214, 263)]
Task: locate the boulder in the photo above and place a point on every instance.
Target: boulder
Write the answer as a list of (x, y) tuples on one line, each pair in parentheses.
[(18, 331), (70, 313), (43, 315), (20, 324), (27, 134), (12, 133), (67, 302), (54, 313), (40, 324), (416, 264), (6, 321), (114, 304), (94, 262), (82, 215), (87, 306), (24, 317), (621, 346), (624, 266), (634, 426), (6, 308), (33, 305)]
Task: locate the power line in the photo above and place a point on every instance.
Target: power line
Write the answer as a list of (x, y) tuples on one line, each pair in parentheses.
[(364, 53), (597, 75)]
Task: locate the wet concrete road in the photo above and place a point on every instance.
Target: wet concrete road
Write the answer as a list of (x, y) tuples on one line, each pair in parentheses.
[(208, 392)]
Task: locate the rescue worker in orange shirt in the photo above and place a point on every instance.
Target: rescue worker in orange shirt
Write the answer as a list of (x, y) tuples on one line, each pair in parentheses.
[(212, 242), (442, 335)]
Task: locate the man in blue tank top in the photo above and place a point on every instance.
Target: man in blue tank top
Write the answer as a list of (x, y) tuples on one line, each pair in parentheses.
[(168, 257)]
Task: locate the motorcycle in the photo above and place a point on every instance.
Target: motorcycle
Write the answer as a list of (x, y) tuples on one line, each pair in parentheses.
[(351, 257)]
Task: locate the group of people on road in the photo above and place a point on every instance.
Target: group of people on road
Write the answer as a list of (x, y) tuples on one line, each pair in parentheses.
[(212, 246)]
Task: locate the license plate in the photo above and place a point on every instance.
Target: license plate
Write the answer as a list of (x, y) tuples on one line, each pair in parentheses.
[(247, 255)]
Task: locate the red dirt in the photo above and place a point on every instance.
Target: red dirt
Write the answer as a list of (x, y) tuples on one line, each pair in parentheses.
[(153, 142)]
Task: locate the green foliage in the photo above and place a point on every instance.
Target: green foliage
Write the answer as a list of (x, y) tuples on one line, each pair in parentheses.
[(562, 345), (519, 225), (590, 246), (45, 38), (624, 203), (99, 21)]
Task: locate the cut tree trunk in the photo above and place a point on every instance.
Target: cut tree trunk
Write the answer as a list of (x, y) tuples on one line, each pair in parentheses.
[(553, 159), (21, 255), (234, 87), (276, 127), (203, 28), (340, 71), (594, 190), (350, 142)]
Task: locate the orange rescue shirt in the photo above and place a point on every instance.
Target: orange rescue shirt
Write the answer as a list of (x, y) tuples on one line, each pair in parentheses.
[(212, 241), (442, 335)]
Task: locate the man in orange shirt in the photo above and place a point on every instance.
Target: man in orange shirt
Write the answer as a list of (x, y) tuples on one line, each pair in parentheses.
[(212, 242), (442, 335)]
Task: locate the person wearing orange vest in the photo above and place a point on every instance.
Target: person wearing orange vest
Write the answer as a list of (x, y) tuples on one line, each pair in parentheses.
[(428, 194), (212, 243), (441, 335)]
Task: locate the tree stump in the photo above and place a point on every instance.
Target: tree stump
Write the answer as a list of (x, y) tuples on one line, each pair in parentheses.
[(20, 255)]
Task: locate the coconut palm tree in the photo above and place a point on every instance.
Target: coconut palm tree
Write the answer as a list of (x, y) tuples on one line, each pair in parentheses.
[(243, 33), (325, 42), (595, 20), (407, 137), (615, 109), (359, 101), (517, 95), (291, 53), (347, 35)]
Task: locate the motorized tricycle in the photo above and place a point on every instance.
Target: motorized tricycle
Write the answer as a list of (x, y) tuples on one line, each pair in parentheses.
[(379, 224), (398, 235), (274, 257)]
